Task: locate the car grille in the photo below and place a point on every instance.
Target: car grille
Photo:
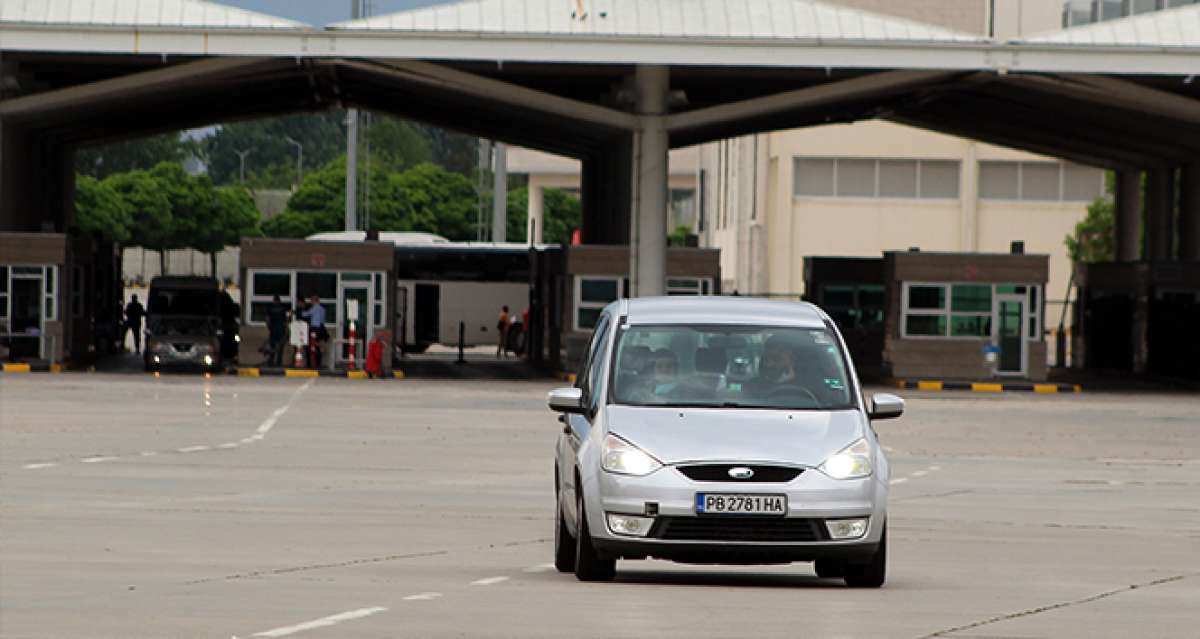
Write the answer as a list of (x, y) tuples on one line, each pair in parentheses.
[(737, 528), (720, 472), (182, 347)]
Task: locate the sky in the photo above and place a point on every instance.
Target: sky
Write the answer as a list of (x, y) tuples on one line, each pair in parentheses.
[(322, 12)]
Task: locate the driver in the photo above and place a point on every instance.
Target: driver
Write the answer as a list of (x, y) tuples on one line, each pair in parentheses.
[(779, 370)]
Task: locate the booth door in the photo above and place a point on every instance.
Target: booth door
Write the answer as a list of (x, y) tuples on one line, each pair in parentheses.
[(1010, 311), (27, 315)]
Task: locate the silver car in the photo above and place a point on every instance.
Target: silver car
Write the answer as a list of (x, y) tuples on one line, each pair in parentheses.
[(719, 430)]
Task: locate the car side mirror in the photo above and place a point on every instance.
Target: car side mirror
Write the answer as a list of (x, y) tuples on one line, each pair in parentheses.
[(566, 400), (886, 406)]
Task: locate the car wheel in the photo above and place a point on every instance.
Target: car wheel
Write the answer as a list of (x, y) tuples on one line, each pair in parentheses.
[(588, 566), (873, 573), (830, 568), (564, 543)]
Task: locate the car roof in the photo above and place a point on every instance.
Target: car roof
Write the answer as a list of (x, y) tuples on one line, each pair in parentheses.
[(722, 310)]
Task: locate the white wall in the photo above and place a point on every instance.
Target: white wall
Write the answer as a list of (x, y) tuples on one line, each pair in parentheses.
[(138, 263)]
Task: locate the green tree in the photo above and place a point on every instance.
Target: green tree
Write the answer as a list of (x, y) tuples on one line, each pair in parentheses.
[(443, 202), (101, 211), (102, 161), (562, 211), (271, 162), (678, 237), (318, 205), (396, 145), (149, 207), (1093, 240)]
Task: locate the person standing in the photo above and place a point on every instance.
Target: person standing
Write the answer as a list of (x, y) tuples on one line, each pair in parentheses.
[(502, 329), (277, 326), (316, 330), (134, 312)]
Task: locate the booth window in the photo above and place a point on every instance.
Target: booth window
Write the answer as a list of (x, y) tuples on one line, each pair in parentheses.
[(51, 311), (3, 299), (592, 294), (264, 286), (960, 309)]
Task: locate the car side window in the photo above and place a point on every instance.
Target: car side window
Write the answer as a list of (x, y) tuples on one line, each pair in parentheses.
[(596, 363)]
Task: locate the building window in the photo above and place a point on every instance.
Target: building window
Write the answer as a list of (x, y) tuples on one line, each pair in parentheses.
[(3, 300), (592, 294), (264, 286), (294, 287), (1039, 181), (689, 286), (864, 177), (960, 309)]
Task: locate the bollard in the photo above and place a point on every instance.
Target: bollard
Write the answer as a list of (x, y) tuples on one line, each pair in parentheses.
[(462, 332), (352, 347)]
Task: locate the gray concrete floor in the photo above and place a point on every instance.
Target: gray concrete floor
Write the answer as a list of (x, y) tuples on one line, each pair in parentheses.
[(180, 506)]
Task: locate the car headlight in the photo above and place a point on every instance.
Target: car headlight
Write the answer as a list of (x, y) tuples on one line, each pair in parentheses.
[(624, 458), (852, 462)]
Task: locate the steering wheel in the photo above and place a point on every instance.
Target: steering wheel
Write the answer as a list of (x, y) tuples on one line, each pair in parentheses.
[(787, 392)]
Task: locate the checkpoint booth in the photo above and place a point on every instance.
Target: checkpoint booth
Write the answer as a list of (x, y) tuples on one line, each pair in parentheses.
[(965, 315), (347, 277), (59, 298)]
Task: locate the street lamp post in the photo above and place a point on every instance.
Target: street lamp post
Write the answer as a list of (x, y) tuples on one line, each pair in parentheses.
[(242, 159), (299, 159)]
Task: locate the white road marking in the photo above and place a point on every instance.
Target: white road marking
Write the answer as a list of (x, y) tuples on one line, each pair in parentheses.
[(37, 466), (149, 453), (539, 568), (920, 473), (488, 581), (320, 623), (425, 596), (228, 445), (935, 468), (1164, 462), (98, 459), (898, 480), (192, 449)]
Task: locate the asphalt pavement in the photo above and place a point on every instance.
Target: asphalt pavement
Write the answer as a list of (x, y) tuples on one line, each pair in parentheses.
[(185, 506)]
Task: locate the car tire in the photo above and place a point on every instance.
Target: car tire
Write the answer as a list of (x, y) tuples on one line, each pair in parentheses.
[(873, 573), (830, 568), (589, 566), (564, 543)]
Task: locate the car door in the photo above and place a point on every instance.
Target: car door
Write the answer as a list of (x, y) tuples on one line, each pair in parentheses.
[(576, 427)]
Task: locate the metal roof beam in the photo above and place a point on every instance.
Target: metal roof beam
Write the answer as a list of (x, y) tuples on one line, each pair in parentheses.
[(469, 84), (875, 85), (1114, 92)]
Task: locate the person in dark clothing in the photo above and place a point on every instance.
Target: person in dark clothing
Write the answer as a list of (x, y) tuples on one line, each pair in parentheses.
[(134, 312), (277, 325)]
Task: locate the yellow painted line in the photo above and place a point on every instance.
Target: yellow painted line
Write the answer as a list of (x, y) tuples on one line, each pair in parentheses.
[(1045, 388), (17, 368), (987, 388), (398, 374), (249, 372), (56, 368), (929, 386), (356, 374), (301, 372)]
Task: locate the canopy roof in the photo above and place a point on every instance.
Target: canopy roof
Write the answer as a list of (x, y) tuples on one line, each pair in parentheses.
[(1179, 27), (139, 13)]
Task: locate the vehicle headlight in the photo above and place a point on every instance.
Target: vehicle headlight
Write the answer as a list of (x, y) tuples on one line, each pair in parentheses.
[(624, 458), (852, 462)]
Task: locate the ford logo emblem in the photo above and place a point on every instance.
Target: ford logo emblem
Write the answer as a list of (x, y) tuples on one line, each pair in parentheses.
[(741, 472)]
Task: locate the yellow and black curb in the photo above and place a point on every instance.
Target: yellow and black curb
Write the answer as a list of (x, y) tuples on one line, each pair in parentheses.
[(306, 372), (19, 367), (988, 387)]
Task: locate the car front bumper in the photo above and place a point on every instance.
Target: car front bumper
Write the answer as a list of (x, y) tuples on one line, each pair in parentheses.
[(813, 498)]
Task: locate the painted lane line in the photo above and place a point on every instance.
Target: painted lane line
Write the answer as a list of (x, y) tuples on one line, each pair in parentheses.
[(488, 581), (424, 596), (898, 480), (191, 449), (320, 623), (539, 568), (37, 466), (228, 445), (920, 473), (149, 453), (935, 468), (98, 459)]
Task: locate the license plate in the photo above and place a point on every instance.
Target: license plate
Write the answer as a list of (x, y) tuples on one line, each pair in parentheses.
[(740, 504)]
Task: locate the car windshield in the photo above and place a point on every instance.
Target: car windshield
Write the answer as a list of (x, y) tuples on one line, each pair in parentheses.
[(730, 367)]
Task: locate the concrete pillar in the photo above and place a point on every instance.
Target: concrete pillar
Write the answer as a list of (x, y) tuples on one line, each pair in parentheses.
[(500, 193), (607, 190), (1128, 207), (535, 216), (1160, 205), (648, 250), (969, 201), (1189, 213), (351, 215)]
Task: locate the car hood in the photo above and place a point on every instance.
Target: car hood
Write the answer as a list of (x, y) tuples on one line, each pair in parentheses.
[(675, 435)]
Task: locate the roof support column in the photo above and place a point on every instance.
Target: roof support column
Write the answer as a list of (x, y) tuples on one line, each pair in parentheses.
[(1160, 204), (1128, 207), (535, 214), (648, 250), (1189, 213)]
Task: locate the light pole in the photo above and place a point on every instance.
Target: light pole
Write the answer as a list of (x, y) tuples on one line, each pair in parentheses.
[(299, 159), (242, 158)]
